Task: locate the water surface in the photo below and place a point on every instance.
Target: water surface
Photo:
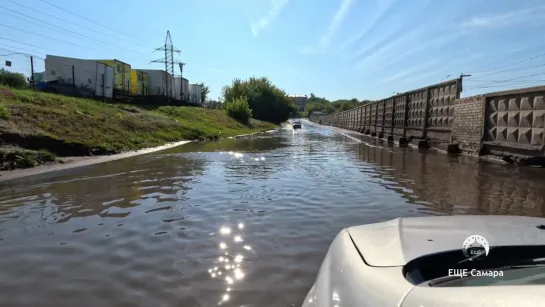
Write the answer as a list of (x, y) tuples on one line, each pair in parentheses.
[(240, 222)]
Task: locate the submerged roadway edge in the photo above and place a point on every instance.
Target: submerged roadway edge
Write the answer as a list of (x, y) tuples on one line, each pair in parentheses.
[(74, 162)]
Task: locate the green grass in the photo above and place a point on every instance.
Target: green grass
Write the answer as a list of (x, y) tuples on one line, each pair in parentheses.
[(14, 158), (61, 124)]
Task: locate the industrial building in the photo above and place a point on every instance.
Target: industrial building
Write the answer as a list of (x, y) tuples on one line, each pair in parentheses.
[(108, 78), (181, 86), (300, 101), (80, 77), (139, 82), (194, 94), (159, 83), (122, 75)]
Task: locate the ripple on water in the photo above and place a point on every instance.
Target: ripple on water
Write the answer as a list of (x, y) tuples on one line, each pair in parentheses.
[(236, 222)]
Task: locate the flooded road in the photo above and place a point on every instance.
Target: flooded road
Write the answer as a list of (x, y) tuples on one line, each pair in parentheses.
[(242, 222)]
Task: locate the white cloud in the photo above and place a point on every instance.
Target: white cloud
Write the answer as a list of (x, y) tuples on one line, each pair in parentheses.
[(331, 30), (383, 7), (276, 7), (337, 20), (505, 19), (403, 47)]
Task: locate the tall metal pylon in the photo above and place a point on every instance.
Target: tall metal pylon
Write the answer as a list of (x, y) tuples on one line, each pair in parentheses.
[(168, 60)]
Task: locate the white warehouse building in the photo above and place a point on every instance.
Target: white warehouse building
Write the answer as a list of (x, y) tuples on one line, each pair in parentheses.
[(195, 94), (159, 81), (88, 77)]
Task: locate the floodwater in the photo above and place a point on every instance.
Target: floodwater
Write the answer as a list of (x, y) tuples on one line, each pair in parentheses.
[(240, 222)]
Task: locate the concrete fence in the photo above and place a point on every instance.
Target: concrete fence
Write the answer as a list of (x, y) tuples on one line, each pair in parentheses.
[(501, 123)]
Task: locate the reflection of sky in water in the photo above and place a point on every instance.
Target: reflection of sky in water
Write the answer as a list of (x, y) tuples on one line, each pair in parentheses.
[(229, 266)]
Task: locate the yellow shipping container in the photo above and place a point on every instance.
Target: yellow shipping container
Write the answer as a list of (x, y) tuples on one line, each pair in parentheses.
[(139, 82), (122, 74)]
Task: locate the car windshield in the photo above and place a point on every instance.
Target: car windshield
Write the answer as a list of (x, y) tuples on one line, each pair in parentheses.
[(534, 275)]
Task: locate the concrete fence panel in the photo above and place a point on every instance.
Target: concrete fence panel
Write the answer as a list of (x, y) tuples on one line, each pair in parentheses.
[(400, 116), (502, 123), (389, 118), (416, 120), (380, 118), (441, 110), (367, 118), (514, 121), (373, 119)]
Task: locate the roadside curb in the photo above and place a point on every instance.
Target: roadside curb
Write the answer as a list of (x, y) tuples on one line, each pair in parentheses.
[(75, 162)]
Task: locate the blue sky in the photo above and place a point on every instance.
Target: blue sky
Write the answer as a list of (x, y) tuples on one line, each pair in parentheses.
[(365, 49)]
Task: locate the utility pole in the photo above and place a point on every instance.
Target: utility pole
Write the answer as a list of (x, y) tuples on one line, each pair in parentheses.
[(32, 73), (169, 61), (462, 80)]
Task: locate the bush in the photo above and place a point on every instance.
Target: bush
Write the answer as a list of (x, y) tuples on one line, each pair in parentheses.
[(239, 109), (4, 113), (13, 158), (12, 79), (267, 102)]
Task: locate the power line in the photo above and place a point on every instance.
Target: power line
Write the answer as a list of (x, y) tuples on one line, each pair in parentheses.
[(41, 35), (23, 43), (5, 47), (507, 70), (500, 67), (72, 23), (56, 27), (503, 86), (507, 80), (106, 27), (519, 82)]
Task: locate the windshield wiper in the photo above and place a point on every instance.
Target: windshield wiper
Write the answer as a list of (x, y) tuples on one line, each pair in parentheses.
[(472, 257)]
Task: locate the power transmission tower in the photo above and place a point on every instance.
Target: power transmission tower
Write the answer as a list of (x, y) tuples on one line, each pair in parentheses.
[(168, 60)]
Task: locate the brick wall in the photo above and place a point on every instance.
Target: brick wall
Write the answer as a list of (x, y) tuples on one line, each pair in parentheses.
[(467, 127)]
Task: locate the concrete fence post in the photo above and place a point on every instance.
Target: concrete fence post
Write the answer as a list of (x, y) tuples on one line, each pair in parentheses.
[(392, 118), (406, 115), (360, 127), (376, 117), (426, 113)]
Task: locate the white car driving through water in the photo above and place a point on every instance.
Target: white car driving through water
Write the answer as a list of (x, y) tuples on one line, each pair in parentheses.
[(435, 261)]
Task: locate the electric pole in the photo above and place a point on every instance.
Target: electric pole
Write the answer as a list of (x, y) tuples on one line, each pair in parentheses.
[(461, 81), (32, 73), (169, 61)]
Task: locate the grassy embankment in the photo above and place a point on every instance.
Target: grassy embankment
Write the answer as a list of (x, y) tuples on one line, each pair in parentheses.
[(36, 128)]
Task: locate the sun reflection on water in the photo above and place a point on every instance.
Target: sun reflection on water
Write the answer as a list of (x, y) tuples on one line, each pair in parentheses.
[(229, 267)]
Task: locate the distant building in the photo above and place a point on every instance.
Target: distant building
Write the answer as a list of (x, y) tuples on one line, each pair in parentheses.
[(300, 101)]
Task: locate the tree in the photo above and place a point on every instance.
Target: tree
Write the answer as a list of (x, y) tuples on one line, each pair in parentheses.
[(267, 102), (239, 110), (205, 90), (317, 104), (12, 79)]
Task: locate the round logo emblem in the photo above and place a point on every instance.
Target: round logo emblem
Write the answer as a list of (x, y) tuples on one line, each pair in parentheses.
[(475, 247)]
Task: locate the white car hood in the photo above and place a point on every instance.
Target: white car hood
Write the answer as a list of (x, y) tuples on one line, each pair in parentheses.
[(396, 242)]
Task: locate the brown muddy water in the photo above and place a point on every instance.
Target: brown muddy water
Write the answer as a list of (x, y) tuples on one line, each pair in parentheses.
[(241, 222)]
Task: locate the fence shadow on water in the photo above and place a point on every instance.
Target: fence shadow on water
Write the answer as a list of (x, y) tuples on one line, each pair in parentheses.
[(456, 184)]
